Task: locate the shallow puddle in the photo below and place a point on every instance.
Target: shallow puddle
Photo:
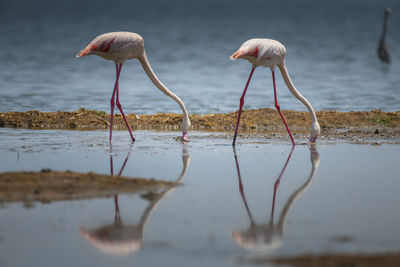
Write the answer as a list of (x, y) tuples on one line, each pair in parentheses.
[(230, 208)]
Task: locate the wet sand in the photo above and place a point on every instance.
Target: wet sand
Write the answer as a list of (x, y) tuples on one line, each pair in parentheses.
[(48, 186), (337, 260), (266, 123)]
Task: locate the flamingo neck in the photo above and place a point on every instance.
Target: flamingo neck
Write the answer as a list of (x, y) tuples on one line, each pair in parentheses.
[(384, 26), (149, 71), (292, 89)]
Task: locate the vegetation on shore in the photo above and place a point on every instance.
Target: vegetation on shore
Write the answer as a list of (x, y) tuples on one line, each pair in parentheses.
[(373, 124)]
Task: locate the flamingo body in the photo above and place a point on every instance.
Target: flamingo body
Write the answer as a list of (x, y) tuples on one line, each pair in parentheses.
[(261, 52), (116, 46), (270, 53), (122, 46)]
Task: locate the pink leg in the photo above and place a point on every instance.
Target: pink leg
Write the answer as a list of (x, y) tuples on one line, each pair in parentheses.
[(111, 162), (118, 71), (119, 104), (241, 106), (279, 108)]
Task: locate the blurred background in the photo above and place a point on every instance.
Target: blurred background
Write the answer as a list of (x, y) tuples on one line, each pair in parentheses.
[(331, 54)]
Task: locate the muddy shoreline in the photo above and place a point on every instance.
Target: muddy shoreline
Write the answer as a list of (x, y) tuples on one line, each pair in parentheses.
[(47, 186), (51, 186), (265, 123), (390, 259)]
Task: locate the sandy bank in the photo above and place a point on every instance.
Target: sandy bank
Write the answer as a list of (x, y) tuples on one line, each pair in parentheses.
[(265, 122), (336, 260), (47, 186)]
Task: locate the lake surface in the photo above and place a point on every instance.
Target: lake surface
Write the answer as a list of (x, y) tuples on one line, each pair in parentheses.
[(233, 207), (331, 54)]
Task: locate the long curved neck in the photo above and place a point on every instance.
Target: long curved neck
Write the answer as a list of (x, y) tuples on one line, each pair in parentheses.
[(149, 71), (385, 18), (292, 89)]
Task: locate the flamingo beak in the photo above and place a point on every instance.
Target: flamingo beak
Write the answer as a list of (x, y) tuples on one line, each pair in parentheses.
[(237, 54)]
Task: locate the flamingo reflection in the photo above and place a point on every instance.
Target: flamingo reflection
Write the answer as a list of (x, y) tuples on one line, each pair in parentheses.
[(121, 238), (269, 236)]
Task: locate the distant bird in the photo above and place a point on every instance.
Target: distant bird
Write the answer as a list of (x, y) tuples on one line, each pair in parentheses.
[(271, 53), (121, 46), (383, 48)]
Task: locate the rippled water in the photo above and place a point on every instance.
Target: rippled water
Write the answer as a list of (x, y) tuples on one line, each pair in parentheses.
[(331, 54), (231, 208)]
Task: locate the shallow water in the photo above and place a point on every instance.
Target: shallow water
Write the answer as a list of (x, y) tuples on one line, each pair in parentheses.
[(331, 54), (340, 198)]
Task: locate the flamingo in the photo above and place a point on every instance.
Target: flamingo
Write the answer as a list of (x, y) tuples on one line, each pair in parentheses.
[(383, 49), (270, 53), (121, 46)]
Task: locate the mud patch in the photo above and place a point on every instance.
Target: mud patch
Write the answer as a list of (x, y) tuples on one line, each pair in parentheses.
[(340, 260), (47, 186)]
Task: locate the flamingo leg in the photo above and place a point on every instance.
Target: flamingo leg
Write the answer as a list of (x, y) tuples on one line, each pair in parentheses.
[(241, 106), (112, 102), (119, 104), (111, 162), (278, 108)]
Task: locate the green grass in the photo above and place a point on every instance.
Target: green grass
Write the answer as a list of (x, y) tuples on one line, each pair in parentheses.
[(382, 120)]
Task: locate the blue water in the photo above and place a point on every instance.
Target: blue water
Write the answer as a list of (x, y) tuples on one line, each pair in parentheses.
[(341, 198), (331, 54)]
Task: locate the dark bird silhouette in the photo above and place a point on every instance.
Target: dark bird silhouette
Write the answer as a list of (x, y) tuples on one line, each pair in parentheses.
[(383, 48)]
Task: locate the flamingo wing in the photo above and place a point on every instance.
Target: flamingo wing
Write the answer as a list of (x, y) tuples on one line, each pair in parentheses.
[(99, 44)]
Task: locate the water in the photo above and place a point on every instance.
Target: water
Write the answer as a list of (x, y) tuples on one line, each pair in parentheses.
[(331, 54), (340, 198)]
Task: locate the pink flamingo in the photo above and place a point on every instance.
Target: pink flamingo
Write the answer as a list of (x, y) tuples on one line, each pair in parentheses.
[(271, 53), (121, 46)]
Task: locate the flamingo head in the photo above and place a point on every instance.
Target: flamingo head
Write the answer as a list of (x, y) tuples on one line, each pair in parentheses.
[(388, 11), (315, 131), (237, 54), (185, 129), (184, 137)]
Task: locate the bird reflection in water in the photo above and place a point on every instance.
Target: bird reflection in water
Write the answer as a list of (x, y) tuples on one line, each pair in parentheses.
[(120, 238), (269, 236)]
